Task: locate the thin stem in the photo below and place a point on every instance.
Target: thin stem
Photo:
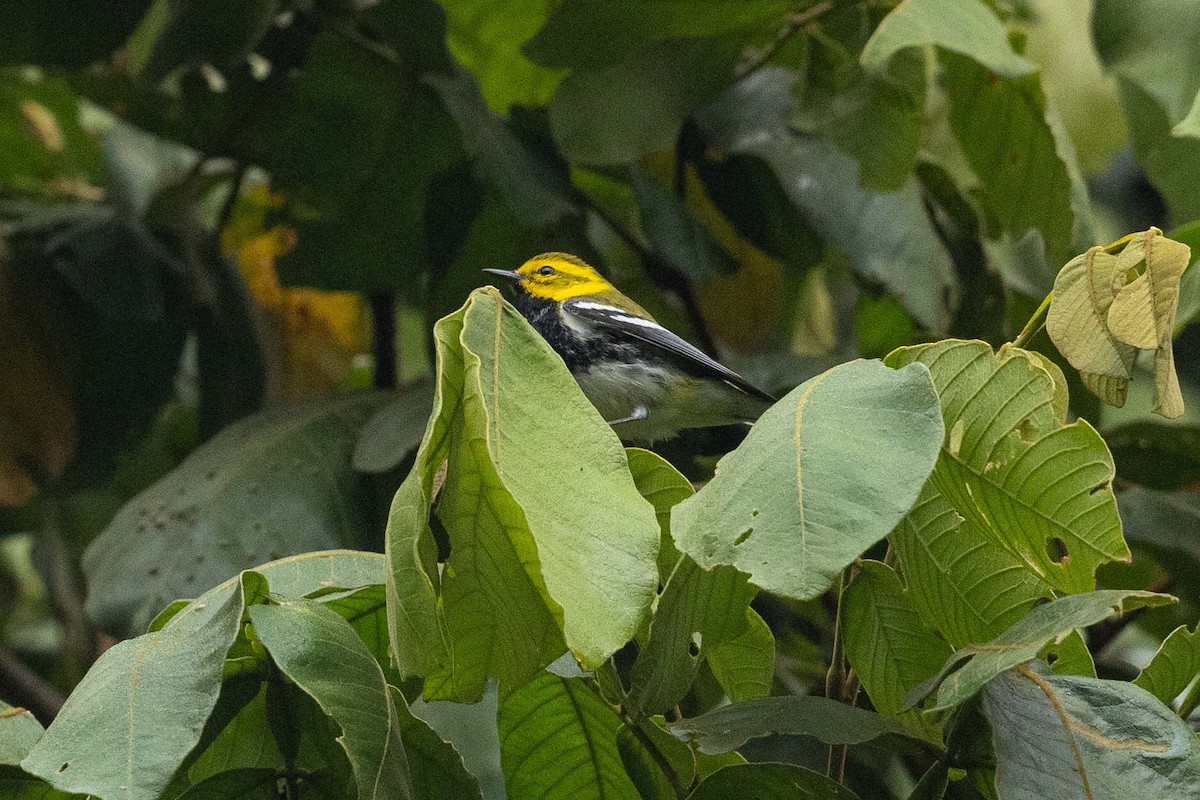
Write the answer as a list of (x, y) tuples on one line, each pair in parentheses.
[(664, 765), (235, 190), (835, 678), (64, 586), (1190, 701), (1035, 324), (795, 22), (28, 688)]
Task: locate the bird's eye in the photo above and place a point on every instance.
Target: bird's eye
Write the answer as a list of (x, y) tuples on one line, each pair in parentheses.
[(546, 271)]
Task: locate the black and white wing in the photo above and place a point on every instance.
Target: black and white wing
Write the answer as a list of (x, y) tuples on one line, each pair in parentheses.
[(650, 332)]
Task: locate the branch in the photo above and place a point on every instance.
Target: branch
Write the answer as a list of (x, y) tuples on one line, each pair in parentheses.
[(28, 688), (795, 22)]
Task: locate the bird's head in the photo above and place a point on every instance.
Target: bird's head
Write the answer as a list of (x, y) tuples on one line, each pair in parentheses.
[(555, 277)]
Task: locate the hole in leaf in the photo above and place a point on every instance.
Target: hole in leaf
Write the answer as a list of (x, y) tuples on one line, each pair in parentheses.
[(754, 513), (1097, 489), (1051, 658), (63, 768), (694, 644), (1056, 548), (743, 536)]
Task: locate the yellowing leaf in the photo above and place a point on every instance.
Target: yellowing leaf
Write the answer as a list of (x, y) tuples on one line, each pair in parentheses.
[(1107, 306), (314, 335)]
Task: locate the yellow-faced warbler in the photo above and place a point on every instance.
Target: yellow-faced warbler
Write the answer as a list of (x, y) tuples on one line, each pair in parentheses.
[(638, 374)]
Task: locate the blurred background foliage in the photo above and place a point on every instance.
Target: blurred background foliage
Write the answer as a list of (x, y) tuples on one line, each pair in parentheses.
[(212, 213)]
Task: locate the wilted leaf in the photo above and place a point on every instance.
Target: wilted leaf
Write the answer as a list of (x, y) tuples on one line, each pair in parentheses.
[(208, 519), (1010, 467), (559, 742), (787, 507), (1174, 667), (1066, 736), (1025, 639)]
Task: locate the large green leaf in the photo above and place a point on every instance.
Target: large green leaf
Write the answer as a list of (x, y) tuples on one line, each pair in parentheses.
[(559, 740), (586, 33), (393, 432), (1154, 454), (19, 731), (210, 518), (887, 236), (141, 708), (562, 548), (665, 487), (437, 769), (964, 585), (770, 782), (1009, 466), (1174, 667), (967, 27), (321, 654), (199, 32), (63, 33), (41, 139), (787, 507), (1066, 736), (729, 727), (618, 113), (698, 610), (745, 664), (1024, 640), (887, 643), (1168, 523)]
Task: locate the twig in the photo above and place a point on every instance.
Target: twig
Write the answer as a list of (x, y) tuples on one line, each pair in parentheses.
[(27, 688), (1035, 324), (1190, 701), (795, 22), (836, 678), (77, 643), (235, 191)]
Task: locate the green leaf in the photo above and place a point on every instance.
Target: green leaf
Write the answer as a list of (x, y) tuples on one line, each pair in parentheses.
[(665, 487), (1060, 736), (199, 32), (967, 27), (1156, 455), (1189, 125), (564, 542), (472, 731), (558, 740), (164, 543), (486, 37), (887, 236), (786, 506), (830, 722), (538, 193), (247, 783), (745, 664), (676, 234), (66, 34), (697, 611), (393, 432), (321, 654), (616, 114), (1174, 667), (1002, 127), (585, 33), (1013, 470), (1070, 656), (953, 575), (1022, 642), (140, 709), (41, 139), (1166, 523), (770, 782), (887, 644), (19, 731), (437, 769)]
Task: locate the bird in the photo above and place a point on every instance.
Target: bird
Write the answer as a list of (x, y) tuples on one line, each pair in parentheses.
[(646, 381)]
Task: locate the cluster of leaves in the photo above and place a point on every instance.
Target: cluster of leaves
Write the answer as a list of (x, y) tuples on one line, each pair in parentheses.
[(902, 583)]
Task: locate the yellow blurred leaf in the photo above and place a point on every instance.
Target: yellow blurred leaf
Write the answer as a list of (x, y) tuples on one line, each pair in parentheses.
[(37, 415), (1108, 306), (314, 335)]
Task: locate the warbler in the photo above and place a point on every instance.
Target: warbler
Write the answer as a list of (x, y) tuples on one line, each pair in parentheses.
[(639, 375)]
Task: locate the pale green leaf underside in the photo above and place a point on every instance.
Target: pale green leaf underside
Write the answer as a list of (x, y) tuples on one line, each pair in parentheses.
[(823, 475), (1014, 470), (1174, 667)]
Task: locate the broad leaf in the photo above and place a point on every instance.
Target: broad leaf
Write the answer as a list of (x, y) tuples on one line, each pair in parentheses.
[(1024, 640), (1174, 667), (698, 610), (561, 548), (208, 518), (729, 727), (887, 644), (665, 487), (245, 783), (1155, 454), (436, 767), (140, 709), (559, 740), (770, 782), (393, 432), (964, 585), (787, 506), (676, 234), (1039, 488), (1058, 736), (321, 654), (887, 236), (1168, 523), (19, 731), (745, 664), (968, 28)]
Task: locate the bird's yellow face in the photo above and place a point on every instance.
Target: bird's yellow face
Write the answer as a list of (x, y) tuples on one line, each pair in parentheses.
[(557, 277)]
